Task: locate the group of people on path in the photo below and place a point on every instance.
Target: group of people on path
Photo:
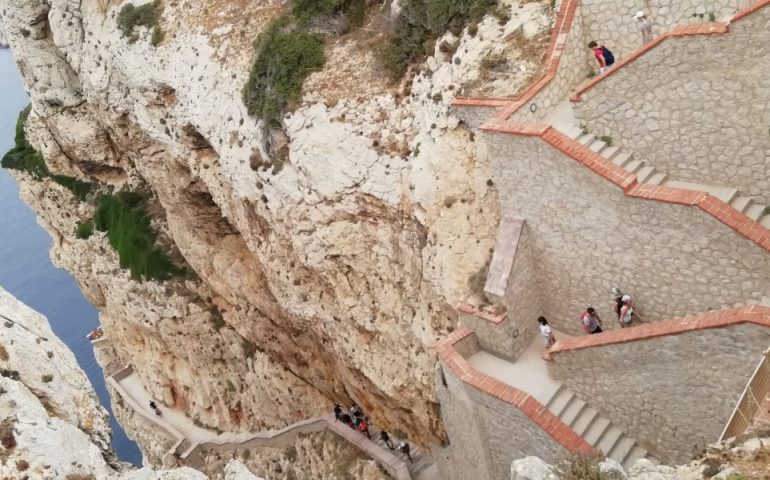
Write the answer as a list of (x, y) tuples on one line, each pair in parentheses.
[(622, 305), (604, 56), (355, 419)]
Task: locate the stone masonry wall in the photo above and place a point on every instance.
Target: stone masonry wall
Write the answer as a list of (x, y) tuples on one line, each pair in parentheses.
[(674, 393), (523, 297), (474, 116), (571, 69), (695, 107), (486, 434), (611, 22), (509, 333), (588, 237)]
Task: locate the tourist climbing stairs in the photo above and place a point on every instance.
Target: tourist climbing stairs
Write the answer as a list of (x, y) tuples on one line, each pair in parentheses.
[(595, 429), (647, 174), (421, 460)]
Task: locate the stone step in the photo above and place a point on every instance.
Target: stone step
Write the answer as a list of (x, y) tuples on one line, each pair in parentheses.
[(621, 449), (741, 203), (644, 173), (657, 179), (636, 453), (573, 132), (559, 400), (597, 146), (726, 194), (755, 211), (765, 221), (634, 165), (609, 439), (610, 152), (596, 431), (571, 413), (622, 158), (586, 139), (765, 301), (585, 420)]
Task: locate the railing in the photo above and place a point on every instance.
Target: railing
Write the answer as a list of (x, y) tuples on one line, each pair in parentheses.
[(751, 400)]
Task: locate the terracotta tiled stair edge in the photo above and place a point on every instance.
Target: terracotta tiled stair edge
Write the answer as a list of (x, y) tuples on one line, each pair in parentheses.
[(552, 57), (537, 412), (678, 32), (756, 314), (701, 29), (725, 213)]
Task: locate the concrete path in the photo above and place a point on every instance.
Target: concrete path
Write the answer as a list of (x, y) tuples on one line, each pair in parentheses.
[(189, 436), (529, 373)]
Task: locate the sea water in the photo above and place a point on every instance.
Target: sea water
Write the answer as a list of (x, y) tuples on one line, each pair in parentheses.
[(27, 272)]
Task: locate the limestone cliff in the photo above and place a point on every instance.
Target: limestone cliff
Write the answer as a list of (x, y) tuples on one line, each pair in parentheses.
[(51, 423), (326, 278)]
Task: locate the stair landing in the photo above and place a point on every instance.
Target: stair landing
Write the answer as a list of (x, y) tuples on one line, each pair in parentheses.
[(530, 374)]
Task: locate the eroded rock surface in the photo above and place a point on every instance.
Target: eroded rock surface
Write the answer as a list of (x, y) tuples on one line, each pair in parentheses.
[(51, 423), (325, 278)]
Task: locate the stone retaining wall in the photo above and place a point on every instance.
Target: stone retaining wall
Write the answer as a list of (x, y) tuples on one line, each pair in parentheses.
[(588, 236), (611, 22), (474, 113), (694, 106), (565, 66), (487, 432), (674, 393)]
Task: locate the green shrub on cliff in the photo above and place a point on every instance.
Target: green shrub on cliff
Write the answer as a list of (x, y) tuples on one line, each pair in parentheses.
[(354, 10), (124, 217), (24, 158), (283, 60), (146, 15), (420, 23)]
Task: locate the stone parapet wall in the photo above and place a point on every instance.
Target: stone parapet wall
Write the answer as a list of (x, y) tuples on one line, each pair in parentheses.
[(611, 22), (513, 286), (674, 393), (694, 105), (489, 423), (475, 113), (565, 62), (589, 236)]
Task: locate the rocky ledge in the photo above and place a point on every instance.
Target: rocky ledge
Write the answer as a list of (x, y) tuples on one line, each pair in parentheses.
[(51, 422)]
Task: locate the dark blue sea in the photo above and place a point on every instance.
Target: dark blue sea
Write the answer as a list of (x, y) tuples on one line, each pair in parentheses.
[(27, 272)]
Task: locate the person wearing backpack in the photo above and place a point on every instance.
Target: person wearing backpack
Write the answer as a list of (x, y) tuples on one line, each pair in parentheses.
[(591, 322), (603, 55)]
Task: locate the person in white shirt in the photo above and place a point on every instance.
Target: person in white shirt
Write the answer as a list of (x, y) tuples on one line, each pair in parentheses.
[(645, 26), (546, 332), (626, 314)]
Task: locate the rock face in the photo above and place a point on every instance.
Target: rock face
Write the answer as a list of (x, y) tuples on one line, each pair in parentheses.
[(325, 280), (51, 423), (729, 459)]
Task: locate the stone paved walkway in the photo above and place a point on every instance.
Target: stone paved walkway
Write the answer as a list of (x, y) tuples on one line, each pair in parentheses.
[(190, 436)]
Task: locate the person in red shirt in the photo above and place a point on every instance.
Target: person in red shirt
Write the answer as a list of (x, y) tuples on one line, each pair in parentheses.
[(603, 55)]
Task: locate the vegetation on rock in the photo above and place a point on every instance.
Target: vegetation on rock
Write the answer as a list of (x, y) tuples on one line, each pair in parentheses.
[(84, 229), (354, 10), (283, 59), (124, 217), (420, 23), (24, 158), (131, 16)]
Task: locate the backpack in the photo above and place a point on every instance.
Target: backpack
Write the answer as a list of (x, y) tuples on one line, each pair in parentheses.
[(609, 58)]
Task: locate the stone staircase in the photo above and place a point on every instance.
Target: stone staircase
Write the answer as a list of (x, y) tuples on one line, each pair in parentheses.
[(595, 429), (422, 460), (646, 173)]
